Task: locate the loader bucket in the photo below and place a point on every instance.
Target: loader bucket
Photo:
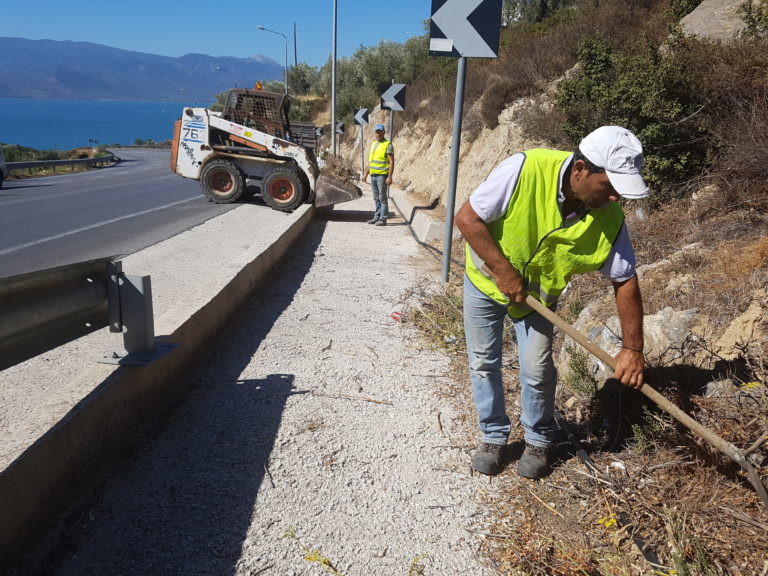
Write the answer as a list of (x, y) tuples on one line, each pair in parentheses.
[(330, 191)]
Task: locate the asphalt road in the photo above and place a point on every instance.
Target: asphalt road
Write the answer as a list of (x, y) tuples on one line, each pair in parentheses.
[(57, 220)]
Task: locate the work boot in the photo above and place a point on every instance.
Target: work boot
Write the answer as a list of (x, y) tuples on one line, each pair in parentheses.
[(487, 459), (534, 463), (381, 223), (372, 221)]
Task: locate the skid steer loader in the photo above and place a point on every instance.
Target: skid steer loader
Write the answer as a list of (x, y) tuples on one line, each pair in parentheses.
[(249, 148)]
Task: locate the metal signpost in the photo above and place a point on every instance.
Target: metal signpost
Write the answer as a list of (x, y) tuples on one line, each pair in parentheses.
[(333, 79), (361, 119), (461, 29), (393, 99)]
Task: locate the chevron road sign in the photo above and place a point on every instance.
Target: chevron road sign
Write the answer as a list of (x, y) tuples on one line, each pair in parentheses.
[(465, 28), (319, 131), (361, 117), (340, 128), (461, 29), (393, 98)]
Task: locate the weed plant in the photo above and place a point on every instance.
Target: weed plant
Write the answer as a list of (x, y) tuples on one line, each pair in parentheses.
[(339, 168), (440, 317), (578, 378)]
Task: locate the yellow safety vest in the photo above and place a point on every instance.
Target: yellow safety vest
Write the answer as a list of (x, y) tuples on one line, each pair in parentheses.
[(378, 161), (536, 240)]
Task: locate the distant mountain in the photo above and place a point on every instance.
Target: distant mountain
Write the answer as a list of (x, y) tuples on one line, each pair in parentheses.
[(81, 70)]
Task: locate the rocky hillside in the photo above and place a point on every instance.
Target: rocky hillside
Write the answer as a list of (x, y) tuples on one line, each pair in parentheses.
[(643, 496), (424, 148)]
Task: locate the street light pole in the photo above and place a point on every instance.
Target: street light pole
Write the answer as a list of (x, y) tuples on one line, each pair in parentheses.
[(285, 69)]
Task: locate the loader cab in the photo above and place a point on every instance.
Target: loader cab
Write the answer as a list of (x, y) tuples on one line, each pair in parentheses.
[(263, 111)]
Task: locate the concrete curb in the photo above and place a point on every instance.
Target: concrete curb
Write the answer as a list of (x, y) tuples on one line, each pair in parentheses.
[(37, 487), (424, 227)]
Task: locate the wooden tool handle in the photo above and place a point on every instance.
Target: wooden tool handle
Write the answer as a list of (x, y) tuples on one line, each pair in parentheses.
[(725, 447)]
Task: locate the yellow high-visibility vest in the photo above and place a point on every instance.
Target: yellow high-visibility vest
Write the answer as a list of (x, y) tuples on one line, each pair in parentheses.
[(378, 161), (537, 241)]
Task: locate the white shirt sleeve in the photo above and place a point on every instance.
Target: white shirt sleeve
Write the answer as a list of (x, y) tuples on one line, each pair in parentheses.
[(490, 200), (620, 265)]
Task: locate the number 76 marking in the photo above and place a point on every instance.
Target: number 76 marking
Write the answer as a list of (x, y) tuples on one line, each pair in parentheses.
[(191, 134)]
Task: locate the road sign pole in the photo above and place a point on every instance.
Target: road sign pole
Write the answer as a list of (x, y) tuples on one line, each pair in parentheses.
[(362, 150), (391, 124), (458, 112), (333, 84)]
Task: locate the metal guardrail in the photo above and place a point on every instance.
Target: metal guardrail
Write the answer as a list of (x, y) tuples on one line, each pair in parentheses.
[(101, 160), (304, 133), (42, 310)]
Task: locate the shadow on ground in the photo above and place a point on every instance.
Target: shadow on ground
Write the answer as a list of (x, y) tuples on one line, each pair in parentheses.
[(183, 504)]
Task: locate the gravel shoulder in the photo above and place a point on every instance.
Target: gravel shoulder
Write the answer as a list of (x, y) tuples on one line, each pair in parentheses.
[(315, 414), (185, 270)]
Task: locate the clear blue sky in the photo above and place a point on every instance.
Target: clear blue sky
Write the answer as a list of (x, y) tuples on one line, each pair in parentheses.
[(218, 28)]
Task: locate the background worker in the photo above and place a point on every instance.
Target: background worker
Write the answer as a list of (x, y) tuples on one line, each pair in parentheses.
[(541, 217), (381, 165)]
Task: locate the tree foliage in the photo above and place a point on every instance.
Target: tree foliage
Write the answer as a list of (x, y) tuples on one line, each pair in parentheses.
[(634, 70), (301, 78), (361, 77), (647, 91)]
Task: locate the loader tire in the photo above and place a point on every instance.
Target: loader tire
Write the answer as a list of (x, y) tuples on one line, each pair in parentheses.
[(283, 190), (222, 182)]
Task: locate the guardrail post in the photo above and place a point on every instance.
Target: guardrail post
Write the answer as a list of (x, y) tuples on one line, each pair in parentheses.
[(131, 312), (138, 322)]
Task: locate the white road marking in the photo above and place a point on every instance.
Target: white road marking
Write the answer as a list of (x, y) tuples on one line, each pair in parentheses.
[(91, 227)]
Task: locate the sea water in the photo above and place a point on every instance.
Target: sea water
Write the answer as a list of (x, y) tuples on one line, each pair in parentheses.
[(50, 124)]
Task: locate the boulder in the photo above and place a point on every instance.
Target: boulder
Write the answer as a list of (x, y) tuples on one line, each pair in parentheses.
[(715, 19), (748, 331), (663, 333)]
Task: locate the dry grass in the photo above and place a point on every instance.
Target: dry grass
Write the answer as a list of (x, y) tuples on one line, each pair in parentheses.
[(647, 492), (530, 57), (725, 262), (342, 169), (661, 501)]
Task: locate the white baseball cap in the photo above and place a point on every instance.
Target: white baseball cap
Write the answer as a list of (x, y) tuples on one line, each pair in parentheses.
[(620, 153)]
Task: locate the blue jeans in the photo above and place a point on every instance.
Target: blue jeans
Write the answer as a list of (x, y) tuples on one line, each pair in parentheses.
[(379, 190), (483, 328)]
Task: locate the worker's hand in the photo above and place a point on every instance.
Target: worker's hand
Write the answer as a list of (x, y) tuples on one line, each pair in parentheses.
[(365, 176), (629, 368), (389, 180), (509, 282)]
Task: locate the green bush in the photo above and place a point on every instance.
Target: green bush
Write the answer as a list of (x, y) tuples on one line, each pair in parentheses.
[(274, 86), (648, 91), (755, 16), (496, 97), (16, 153), (300, 111), (682, 7)]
